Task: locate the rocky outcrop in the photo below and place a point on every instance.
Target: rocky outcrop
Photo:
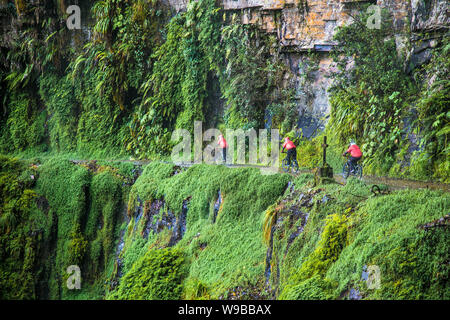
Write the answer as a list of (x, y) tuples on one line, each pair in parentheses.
[(302, 25), (309, 25), (429, 19), (429, 15)]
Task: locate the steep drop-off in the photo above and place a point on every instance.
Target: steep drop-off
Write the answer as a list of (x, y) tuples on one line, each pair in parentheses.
[(212, 232)]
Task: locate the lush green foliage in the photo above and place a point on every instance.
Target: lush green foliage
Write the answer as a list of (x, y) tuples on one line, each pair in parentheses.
[(329, 256), (19, 242), (144, 73), (141, 75), (369, 95), (59, 214), (434, 117), (223, 254), (155, 276), (373, 101), (251, 79)]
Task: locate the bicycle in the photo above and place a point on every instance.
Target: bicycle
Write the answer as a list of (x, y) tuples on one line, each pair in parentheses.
[(357, 170), (293, 165)]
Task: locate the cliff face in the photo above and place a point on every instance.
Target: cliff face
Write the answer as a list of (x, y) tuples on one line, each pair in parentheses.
[(303, 26), (309, 25)]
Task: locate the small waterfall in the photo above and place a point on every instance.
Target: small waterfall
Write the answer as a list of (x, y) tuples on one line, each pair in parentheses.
[(180, 227), (293, 214), (168, 220), (217, 205), (293, 236), (268, 271), (117, 273), (138, 213), (155, 208)]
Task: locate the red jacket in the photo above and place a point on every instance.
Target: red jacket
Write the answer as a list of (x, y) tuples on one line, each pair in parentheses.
[(288, 145), (354, 151), (222, 142)]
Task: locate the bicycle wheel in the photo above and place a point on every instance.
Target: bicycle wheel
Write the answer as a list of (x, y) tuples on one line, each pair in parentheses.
[(284, 165), (358, 171), (346, 170)]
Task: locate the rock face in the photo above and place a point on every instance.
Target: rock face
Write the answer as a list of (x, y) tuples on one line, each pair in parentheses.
[(300, 26), (309, 25), (429, 15)]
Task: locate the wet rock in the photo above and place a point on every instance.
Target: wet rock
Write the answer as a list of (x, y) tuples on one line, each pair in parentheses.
[(119, 263), (419, 58), (428, 15), (180, 227), (441, 222), (217, 205), (290, 187), (299, 230), (325, 199), (151, 212), (354, 294), (42, 204), (364, 273), (251, 292)]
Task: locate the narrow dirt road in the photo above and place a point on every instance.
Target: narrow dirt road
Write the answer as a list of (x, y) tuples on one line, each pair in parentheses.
[(393, 183)]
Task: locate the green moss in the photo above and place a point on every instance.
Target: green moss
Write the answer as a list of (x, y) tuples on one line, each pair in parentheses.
[(58, 95), (80, 203), (314, 288), (327, 261), (194, 289), (388, 235), (333, 240), (106, 204), (77, 247), (234, 251), (346, 230), (155, 276), (24, 125), (18, 246)]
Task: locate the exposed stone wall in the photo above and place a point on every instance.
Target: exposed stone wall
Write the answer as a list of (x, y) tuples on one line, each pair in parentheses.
[(309, 25), (429, 15), (304, 24)]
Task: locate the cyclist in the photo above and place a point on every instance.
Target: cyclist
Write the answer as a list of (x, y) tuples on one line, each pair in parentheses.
[(355, 155), (223, 145), (291, 150)]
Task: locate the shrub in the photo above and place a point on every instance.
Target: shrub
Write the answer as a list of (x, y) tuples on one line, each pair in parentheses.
[(157, 275)]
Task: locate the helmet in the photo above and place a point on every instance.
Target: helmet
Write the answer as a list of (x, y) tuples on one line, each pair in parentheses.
[(286, 138), (352, 142)]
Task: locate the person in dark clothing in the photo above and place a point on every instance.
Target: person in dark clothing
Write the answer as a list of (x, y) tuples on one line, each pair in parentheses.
[(291, 150), (223, 145), (355, 155)]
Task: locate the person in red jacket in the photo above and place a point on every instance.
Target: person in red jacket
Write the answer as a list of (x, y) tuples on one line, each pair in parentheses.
[(291, 150), (224, 145), (355, 155)]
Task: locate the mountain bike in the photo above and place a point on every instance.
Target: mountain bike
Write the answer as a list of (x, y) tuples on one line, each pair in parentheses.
[(357, 170), (286, 167)]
